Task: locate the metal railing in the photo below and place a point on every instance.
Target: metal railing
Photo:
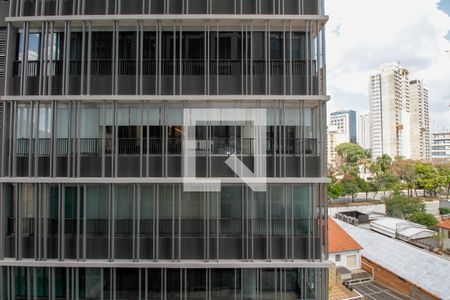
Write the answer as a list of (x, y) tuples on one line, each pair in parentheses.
[(215, 146), (191, 226), (292, 146), (197, 7), (189, 67)]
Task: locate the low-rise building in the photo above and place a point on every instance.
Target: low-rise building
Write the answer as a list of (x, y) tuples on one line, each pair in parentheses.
[(406, 231), (444, 228), (411, 271), (344, 251)]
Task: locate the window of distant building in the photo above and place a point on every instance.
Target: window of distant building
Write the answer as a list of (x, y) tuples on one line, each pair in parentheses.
[(337, 257)]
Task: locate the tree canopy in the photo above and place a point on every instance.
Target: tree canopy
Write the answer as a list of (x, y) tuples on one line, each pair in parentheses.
[(401, 206)]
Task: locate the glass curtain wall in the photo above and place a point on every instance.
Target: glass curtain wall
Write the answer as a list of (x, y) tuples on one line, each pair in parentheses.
[(166, 60), (114, 139), (160, 222), (152, 284)]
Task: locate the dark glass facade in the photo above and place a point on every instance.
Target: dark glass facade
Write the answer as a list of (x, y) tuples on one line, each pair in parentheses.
[(93, 138), (164, 283), (170, 61)]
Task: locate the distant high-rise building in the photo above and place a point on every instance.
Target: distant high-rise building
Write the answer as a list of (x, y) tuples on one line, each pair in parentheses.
[(440, 146), (364, 133), (345, 122), (419, 121), (389, 109), (334, 137)]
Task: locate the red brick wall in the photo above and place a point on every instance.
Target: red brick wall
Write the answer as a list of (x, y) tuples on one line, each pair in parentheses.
[(396, 282)]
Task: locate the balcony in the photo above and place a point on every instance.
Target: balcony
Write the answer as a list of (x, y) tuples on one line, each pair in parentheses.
[(178, 7), (192, 233), (153, 146), (175, 76), (136, 155)]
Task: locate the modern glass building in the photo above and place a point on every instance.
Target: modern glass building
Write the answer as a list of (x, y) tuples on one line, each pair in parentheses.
[(92, 201)]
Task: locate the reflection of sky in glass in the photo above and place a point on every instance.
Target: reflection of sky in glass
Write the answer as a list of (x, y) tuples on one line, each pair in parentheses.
[(28, 124), (33, 49)]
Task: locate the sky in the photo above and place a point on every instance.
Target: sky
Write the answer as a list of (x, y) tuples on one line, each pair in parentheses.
[(364, 34)]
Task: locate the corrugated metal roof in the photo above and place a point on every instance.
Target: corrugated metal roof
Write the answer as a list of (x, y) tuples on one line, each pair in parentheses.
[(393, 226), (424, 269)]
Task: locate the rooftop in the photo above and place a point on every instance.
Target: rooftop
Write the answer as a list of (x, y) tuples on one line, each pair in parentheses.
[(418, 266), (337, 291), (400, 228), (339, 240), (445, 224)]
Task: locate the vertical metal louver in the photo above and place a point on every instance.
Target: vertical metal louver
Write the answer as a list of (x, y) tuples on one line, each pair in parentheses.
[(3, 36), (1, 124)]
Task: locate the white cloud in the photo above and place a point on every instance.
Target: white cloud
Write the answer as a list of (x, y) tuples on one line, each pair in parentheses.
[(363, 34)]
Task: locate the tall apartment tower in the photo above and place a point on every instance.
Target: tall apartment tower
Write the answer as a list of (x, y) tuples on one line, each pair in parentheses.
[(390, 111), (345, 121), (114, 111), (364, 133), (420, 121)]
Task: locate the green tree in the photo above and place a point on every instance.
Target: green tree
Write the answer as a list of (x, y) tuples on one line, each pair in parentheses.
[(401, 206), (444, 171), (440, 238), (364, 186), (387, 182), (335, 190), (351, 156), (405, 170), (351, 187), (429, 178), (384, 162), (424, 218), (444, 211), (381, 165)]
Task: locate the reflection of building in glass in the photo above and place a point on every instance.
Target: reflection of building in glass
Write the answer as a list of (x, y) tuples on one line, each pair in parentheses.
[(92, 201)]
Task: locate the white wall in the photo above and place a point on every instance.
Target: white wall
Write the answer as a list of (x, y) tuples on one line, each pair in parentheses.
[(343, 261)]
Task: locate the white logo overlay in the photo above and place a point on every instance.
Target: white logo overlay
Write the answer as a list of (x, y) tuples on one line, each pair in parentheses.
[(253, 132)]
